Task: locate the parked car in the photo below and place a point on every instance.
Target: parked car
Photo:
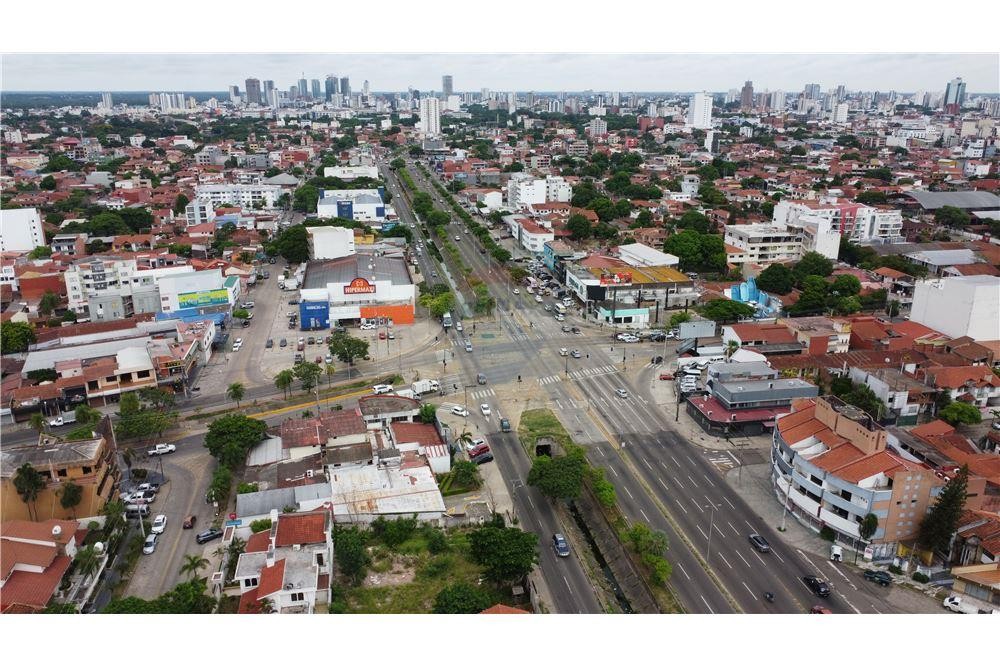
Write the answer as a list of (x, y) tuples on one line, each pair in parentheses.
[(160, 449), (208, 535), (666, 376), (476, 442), (560, 545), (563, 352), (879, 577), (817, 586), (956, 604), (149, 486), (149, 546), (575, 354), (248, 304), (477, 451), (328, 359), (283, 342), (311, 340), (460, 411), (759, 543), (189, 521), (269, 344), (381, 335), (517, 291), (486, 457), (319, 358), (458, 326), (819, 609), (159, 524)]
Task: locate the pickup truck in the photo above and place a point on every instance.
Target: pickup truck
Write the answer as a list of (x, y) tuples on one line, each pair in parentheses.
[(161, 449), (63, 419), (956, 604)]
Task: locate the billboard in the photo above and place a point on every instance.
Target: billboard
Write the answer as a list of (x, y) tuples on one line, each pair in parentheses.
[(359, 286), (616, 279), (213, 297), (697, 329)]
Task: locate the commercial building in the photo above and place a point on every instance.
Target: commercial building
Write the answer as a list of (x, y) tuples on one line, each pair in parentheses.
[(831, 468), (113, 287), (330, 242), (253, 91), (20, 230), (700, 111), (616, 293), (198, 292), (361, 205), (356, 287), (430, 116), (959, 306), (350, 173)]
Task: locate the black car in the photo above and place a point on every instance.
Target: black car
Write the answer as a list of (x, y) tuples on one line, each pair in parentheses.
[(560, 545), (817, 586), (485, 457), (759, 543), (208, 535), (879, 577)]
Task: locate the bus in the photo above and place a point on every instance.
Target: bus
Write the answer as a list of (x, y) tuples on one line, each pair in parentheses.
[(561, 309), (446, 320)]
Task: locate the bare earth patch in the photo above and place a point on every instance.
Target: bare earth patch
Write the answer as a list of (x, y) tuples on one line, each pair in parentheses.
[(401, 572)]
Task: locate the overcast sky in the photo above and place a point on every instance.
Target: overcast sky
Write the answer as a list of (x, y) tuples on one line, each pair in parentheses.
[(520, 72)]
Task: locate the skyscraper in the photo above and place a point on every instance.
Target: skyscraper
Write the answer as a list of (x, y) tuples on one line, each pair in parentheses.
[(365, 88), (106, 102), (746, 96), (253, 91), (345, 88), (430, 116), (812, 91), (447, 86), (777, 101), (303, 88), (317, 92), (700, 111), (330, 86), (234, 94), (954, 95), (267, 95)]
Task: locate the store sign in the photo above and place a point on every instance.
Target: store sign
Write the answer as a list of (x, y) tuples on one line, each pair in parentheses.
[(359, 286)]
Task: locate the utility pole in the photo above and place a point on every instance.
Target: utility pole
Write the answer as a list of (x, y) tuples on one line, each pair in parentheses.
[(711, 527)]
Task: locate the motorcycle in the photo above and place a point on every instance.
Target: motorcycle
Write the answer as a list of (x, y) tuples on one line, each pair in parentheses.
[(769, 596)]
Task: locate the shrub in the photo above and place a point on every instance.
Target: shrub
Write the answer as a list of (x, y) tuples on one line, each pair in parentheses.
[(436, 540), (895, 569), (920, 577), (827, 534), (245, 487), (260, 525)]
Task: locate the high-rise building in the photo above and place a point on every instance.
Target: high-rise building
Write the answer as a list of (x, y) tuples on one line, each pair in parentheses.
[(234, 94), (365, 88), (293, 92), (812, 91), (777, 101), (700, 111), (530, 99), (317, 92), (511, 102), (447, 86), (330, 86), (267, 94), (253, 91), (840, 113), (106, 102), (841, 92), (345, 87), (954, 95), (746, 96), (430, 116), (303, 88), (597, 127)]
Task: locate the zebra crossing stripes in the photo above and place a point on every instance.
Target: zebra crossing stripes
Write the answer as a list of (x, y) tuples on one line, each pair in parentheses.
[(593, 372), (483, 393), (550, 379)]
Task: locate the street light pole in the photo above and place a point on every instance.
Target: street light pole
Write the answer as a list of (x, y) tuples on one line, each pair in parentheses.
[(708, 552)]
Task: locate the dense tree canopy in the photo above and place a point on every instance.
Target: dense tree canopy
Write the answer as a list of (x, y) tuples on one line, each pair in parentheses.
[(507, 554), (230, 437)]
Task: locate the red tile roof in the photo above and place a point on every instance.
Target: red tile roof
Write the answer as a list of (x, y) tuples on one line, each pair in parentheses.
[(425, 434), (271, 579), (301, 529), (32, 589), (258, 542), (503, 609)]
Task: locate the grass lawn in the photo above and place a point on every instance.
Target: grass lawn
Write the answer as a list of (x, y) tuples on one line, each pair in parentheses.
[(540, 423), (405, 580)]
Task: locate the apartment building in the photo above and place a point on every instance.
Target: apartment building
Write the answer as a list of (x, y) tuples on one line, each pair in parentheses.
[(959, 306), (20, 230), (858, 222), (831, 468), (198, 212), (112, 287), (765, 244), (820, 335), (236, 194)]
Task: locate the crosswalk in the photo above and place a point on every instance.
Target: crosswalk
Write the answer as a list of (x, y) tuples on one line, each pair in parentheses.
[(484, 393), (581, 373), (550, 379)]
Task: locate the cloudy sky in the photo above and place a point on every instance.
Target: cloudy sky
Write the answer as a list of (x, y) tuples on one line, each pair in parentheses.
[(521, 72)]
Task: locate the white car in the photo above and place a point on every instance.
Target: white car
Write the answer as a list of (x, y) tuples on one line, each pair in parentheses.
[(460, 411), (621, 393), (538, 299), (560, 318), (382, 389), (159, 524), (517, 291), (458, 326), (475, 443), (149, 546), (486, 409), (563, 352)]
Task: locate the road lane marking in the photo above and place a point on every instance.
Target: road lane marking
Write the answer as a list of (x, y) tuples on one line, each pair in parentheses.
[(733, 457), (644, 515), (777, 556), (629, 493), (873, 606), (676, 500), (676, 463), (693, 483), (742, 558), (736, 532), (702, 532), (709, 501), (730, 504), (646, 462), (711, 483), (567, 584), (678, 481), (759, 558), (684, 571), (749, 524), (612, 469), (660, 480), (690, 459), (748, 589), (724, 560), (706, 603)]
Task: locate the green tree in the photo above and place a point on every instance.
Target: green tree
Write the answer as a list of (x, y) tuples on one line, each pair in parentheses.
[(60, 162), (28, 483), (465, 474), (678, 319), (846, 285), (428, 413), (219, 487), (16, 336), (398, 163), (129, 404), (694, 220), (308, 374), (461, 598), (812, 264), (180, 203), (87, 415), (37, 421), (686, 245), (506, 554), (156, 397), (48, 303), (241, 313), (193, 563), (283, 380), (813, 297), (349, 548), (40, 252), (868, 526), (579, 227), (871, 197), (305, 198), (959, 412), (560, 477), (951, 216), (347, 348), (70, 495), (292, 244), (776, 279), (235, 393), (602, 488), (725, 310), (230, 437), (938, 526), (394, 532), (48, 183)]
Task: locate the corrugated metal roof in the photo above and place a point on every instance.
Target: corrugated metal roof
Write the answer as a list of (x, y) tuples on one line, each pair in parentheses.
[(967, 199)]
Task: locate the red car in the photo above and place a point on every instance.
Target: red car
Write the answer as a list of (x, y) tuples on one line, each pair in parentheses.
[(666, 376), (476, 451), (381, 335)]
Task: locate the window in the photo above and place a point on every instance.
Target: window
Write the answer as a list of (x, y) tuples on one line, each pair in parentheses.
[(298, 597), (319, 559)]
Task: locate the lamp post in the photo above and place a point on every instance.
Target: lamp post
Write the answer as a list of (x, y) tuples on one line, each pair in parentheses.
[(711, 527)]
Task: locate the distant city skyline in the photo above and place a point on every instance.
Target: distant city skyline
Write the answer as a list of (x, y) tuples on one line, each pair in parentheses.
[(504, 72)]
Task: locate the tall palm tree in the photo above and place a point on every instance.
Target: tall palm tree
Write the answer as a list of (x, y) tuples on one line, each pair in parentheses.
[(731, 348), (113, 515), (29, 483), (464, 438), (193, 563), (284, 380), (87, 561), (37, 421), (235, 392)]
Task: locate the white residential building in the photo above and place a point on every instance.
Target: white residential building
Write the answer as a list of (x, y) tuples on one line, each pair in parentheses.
[(858, 222), (557, 189), (765, 244), (20, 230), (198, 212), (700, 111), (959, 306), (362, 205), (523, 190), (597, 127), (112, 287), (239, 194), (430, 116), (840, 113)]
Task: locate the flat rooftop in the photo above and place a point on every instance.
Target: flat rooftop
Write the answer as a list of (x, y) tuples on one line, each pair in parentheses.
[(345, 269)]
